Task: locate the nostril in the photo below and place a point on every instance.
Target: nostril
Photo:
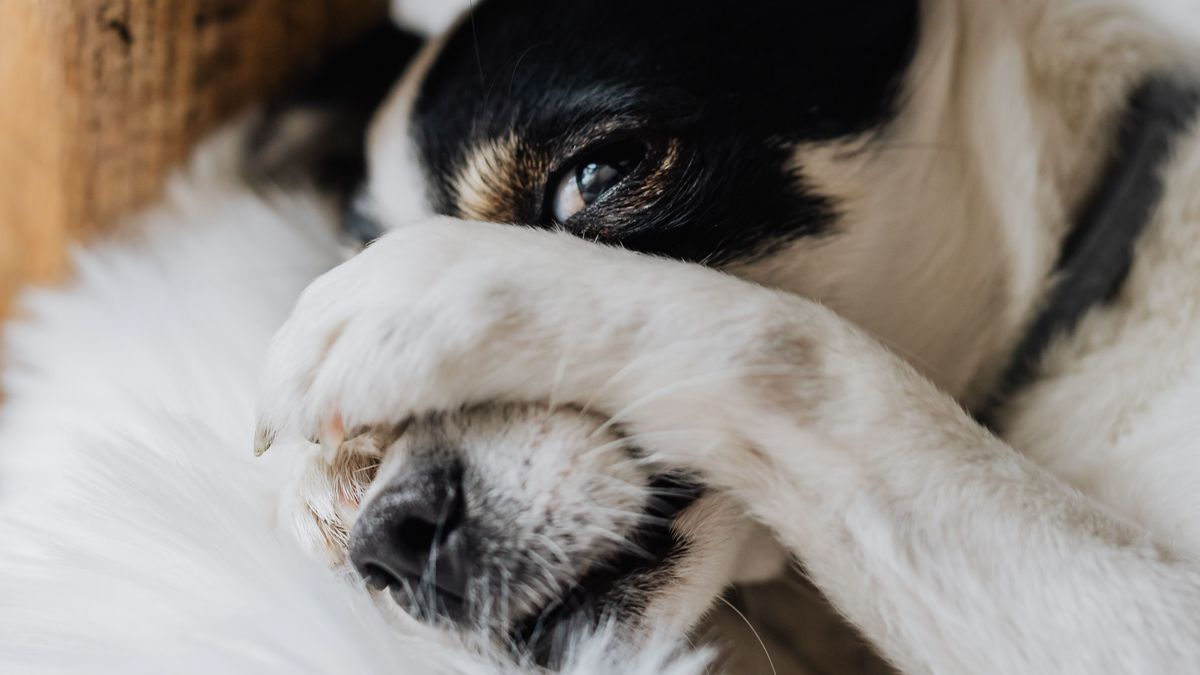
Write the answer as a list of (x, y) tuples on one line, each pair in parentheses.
[(377, 576), (412, 532)]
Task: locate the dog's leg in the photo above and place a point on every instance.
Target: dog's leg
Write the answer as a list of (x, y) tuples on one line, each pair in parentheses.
[(951, 551)]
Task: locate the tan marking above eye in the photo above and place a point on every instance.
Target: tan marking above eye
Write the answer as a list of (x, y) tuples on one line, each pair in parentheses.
[(494, 176)]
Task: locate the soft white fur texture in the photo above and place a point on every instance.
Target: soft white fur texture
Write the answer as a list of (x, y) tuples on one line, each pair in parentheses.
[(137, 528), (1067, 550), (137, 532)]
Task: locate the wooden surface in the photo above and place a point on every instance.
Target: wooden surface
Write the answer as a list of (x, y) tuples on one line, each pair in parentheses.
[(101, 97)]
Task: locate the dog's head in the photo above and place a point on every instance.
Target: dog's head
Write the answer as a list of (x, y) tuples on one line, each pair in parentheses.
[(757, 136)]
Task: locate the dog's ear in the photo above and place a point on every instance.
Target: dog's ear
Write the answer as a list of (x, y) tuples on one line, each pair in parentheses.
[(314, 135)]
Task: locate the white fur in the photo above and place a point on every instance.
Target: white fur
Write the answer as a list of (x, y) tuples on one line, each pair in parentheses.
[(139, 536), (950, 549), (138, 529)]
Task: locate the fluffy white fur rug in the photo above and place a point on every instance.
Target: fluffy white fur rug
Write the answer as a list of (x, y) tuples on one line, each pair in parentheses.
[(136, 529)]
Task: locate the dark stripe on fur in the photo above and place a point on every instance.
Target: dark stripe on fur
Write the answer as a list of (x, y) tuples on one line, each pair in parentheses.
[(1097, 255)]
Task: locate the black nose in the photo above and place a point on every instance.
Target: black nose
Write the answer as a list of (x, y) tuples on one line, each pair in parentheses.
[(411, 538)]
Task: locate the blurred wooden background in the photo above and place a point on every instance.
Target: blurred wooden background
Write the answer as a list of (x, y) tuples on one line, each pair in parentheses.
[(102, 97)]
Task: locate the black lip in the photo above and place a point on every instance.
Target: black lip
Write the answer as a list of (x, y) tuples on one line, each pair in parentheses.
[(597, 593)]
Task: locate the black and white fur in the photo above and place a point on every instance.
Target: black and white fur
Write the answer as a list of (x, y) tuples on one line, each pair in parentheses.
[(892, 183)]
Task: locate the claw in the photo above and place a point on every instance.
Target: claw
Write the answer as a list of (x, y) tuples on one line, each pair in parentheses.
[(333, 433), (264, 438)]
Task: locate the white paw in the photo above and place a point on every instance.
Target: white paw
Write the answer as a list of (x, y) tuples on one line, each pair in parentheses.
[(447, 313)]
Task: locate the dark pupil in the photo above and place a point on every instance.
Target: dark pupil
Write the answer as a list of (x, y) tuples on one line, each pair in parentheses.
[(595, 178)]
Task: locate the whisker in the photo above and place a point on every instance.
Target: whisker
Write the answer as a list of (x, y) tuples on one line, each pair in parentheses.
[(621, 540), (555, 549), (544, 566), (413, 600), (634, 439), (629, 518), (372, 467), (624, 370), (753, 631), (475, 41)]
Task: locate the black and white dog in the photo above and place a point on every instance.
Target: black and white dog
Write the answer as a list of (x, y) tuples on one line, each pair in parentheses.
[(667, 294)]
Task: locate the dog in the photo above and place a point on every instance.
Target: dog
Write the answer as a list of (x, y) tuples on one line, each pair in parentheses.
[(530, 405), (667, 296)]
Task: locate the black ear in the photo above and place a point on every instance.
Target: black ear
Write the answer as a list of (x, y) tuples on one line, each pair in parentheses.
[(314, 135)]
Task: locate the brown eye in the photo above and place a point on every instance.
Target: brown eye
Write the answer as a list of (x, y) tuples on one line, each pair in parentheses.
[(594, 176)]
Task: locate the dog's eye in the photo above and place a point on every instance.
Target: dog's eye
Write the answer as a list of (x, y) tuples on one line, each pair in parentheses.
[(592, 177)]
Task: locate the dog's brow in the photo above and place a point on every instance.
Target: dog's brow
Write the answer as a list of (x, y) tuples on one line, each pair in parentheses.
[(490, 179)]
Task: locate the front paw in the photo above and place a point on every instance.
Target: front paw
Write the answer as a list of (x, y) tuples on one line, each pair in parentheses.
[(420, 321), (448, 313)]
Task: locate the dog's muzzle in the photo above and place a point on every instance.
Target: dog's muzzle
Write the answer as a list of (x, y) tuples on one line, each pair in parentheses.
[(411, 540)]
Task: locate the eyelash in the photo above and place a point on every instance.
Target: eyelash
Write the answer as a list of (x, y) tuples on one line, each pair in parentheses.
[(572, 163)]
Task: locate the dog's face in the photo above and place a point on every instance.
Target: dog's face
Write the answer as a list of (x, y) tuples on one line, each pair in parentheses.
[(668, 127), (700, 131)]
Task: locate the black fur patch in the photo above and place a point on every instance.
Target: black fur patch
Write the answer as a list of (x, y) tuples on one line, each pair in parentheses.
[(715, 92)]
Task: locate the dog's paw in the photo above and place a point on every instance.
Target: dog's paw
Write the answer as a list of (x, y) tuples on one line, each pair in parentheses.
[(386, 334), (447, 313)]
